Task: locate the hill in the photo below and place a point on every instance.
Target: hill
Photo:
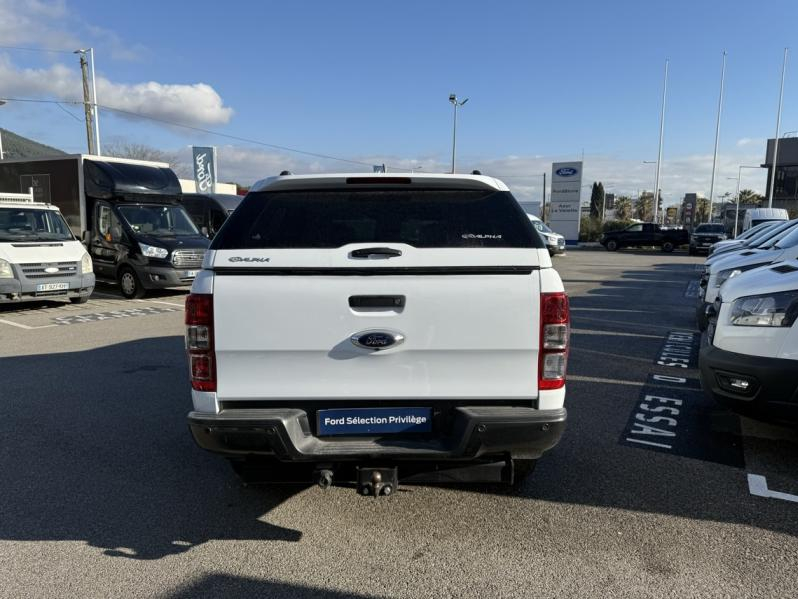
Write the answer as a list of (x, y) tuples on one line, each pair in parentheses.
[(16, 146)]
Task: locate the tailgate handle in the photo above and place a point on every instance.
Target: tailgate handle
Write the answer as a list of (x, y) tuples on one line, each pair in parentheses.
[(375, 253), (377, 301)]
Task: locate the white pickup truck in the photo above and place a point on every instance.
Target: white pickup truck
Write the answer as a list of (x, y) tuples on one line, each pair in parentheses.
[(367, 328)]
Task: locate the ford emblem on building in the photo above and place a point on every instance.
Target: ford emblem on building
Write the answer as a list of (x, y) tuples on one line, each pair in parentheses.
[(377, 340), (566, 171)]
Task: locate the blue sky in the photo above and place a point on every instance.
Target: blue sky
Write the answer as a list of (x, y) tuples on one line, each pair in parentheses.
[(370, 81)]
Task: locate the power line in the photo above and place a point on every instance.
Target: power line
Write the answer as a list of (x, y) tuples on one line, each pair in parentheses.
[(51, 50), (202, 130), (78, 119)]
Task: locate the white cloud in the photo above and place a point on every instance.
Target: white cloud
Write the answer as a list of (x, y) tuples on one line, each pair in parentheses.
[(751, 141)]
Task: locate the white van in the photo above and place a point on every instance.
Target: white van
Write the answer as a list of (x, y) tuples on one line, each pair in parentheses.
[(751, 360), (755, 216), (39, 256)]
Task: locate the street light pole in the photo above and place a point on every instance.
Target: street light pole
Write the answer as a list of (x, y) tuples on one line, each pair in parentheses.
[(661, 134), (2, 156), (778, 128), (456, 104), (717, 136)]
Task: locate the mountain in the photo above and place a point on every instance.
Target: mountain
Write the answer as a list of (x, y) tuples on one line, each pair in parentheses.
[(16, 146)]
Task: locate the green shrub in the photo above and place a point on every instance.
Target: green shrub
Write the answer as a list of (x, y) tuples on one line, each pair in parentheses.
[(615, 225)]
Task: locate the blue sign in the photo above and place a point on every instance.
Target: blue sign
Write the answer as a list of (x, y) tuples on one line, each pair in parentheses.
[(374, 421), (204, 168), (566, 172)]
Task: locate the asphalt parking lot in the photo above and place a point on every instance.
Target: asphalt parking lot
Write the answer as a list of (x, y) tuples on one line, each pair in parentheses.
[(105, 494)]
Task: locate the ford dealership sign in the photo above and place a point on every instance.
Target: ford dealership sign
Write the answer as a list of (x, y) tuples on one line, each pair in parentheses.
[(567, 172), (566, 188)]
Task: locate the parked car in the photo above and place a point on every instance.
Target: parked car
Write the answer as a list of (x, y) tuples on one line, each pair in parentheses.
[(751, 360), (704, 236), (40, 258), (645, 235), (371, 328), (768, 236), (210, 210), (741, 239), (555, 242), (755, 216), (782, 247)]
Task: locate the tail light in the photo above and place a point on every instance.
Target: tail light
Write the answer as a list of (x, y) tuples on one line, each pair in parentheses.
[(554, 338), (199, 341)]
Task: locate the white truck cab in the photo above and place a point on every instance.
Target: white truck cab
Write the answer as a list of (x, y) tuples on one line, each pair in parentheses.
[(751, 360), (39, 256), (370, 327)]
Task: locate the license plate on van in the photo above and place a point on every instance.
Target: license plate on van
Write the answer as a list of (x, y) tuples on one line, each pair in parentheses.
[(374, 421), (52, 286), (190, 274)]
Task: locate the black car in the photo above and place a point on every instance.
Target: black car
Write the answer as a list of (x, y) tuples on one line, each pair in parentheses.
[(210, 210), (645, 235), (705, 236)]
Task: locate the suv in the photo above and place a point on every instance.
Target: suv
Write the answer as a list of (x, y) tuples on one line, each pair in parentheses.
[(751, 360), (705, 236), (363, 328)]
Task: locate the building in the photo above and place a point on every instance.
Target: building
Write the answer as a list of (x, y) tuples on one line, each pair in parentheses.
[(688, 214), (785, 190)]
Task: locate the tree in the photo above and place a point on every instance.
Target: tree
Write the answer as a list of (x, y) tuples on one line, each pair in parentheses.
[(623, 208), (121, 148), (644, 206), (749, 196), (597, 200), (702, 211)]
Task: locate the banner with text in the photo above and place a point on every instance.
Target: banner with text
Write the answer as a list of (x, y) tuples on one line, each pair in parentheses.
[(564, 209), (204, 168)]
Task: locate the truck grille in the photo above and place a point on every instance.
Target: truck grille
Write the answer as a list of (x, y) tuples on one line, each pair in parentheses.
[(188, 258), (37, 270)]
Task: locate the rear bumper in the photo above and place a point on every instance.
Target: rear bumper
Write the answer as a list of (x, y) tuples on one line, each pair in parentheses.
[(773, 384), (521, 433)]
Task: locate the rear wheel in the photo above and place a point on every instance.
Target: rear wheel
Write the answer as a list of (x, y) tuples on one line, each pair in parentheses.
[(612, 245), (130, 284), (667, 247)]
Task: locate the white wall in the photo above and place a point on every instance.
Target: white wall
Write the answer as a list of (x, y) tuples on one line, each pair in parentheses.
[(188, 186)]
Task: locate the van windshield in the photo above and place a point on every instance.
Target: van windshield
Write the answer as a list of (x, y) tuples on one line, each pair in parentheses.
[(541, 226), (26, 224), (707, 228), (789, 240), (768, 234), (158, 220)]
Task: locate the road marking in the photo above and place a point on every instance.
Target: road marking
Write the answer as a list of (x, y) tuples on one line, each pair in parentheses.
[(680, 350), (593, 379), (613, 333), (758, 486), (649, 443), (99, 316), (24, 326), (693, 289), (161, 302)]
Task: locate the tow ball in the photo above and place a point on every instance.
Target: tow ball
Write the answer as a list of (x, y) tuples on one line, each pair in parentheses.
[(377, 481)]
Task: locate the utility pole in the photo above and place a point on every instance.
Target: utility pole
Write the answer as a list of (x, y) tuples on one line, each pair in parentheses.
[(84, 69), (95, 106), (543, 204)]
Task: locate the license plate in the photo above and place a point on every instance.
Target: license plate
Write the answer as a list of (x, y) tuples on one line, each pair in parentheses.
[(190, 274), (374, 421), (52, 286)]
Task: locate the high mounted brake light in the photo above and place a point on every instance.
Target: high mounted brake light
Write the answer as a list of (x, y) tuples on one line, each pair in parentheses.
[(378, 180), (199, 341), (554, 339)]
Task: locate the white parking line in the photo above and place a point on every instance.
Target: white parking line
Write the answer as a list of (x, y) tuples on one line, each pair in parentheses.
[(161, 302), (24, 326), (649, 443), (758, 486)]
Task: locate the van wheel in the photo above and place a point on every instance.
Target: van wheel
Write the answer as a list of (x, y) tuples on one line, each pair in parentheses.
[(130, 284), (612, 245), (667, 247), (79, 300)]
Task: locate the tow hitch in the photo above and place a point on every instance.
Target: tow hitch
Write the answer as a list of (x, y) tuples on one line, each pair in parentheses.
[(377, 481)]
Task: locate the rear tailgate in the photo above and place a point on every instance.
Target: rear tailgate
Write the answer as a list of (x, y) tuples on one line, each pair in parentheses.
[(469, 318)]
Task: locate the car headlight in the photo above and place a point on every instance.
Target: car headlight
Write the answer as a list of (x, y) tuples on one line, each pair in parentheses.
[(86, 266), (5, 270), (153, 251), (767, 310), (725, 275)]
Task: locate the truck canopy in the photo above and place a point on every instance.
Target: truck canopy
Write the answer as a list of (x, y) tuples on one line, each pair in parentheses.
[(106, 179)]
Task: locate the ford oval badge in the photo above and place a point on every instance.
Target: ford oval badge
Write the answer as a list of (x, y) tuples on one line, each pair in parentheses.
[(377, 340), (566, 171), (51, 270)]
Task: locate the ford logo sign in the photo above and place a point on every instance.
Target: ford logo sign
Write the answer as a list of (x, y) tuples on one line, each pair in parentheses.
[(51, 270), (377, 340), (566, 171)]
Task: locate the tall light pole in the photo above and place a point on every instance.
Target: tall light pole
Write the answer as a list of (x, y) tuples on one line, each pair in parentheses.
[(2, 156), (717, 135), (737, 211), (778, 129), (456, 104), (661, 134)]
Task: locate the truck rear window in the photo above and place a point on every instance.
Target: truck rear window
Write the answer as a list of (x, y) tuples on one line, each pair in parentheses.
[(418, 217)]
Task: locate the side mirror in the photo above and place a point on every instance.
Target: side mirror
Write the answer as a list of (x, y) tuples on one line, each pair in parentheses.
[(85, 237)]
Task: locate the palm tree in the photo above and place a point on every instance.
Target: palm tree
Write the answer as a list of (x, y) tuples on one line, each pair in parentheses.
[(623, 208)]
